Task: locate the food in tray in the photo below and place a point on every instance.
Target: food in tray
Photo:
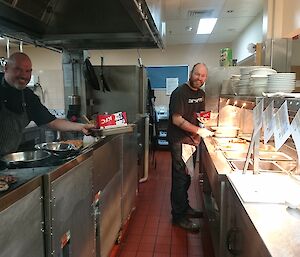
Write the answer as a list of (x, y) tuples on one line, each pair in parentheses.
[(226, 146), (266, 148), (76, 142), (3, 185), (238, 141), (8, 179)]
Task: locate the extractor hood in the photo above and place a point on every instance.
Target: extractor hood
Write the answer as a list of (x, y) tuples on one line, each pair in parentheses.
[(77, 24)]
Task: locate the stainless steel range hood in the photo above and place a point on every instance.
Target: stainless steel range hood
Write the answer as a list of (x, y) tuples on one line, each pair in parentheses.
[(77, 24)]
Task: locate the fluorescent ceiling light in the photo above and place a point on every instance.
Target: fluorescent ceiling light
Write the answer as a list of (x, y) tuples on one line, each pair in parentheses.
[(206, 25)]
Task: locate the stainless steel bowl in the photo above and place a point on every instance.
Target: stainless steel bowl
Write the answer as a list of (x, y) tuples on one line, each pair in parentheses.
[(55, 147), (58, 149), (25, 157)]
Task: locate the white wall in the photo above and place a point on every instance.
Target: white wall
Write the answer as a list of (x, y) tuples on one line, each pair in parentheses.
[(252, 34), (172, 55), (48, 64), (291, 18)]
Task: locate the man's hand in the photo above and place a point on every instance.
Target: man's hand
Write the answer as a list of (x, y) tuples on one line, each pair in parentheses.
[(86, 128), (203, 132)]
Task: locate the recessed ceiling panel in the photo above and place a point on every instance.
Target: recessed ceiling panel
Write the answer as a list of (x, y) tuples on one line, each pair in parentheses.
[(228, 27)]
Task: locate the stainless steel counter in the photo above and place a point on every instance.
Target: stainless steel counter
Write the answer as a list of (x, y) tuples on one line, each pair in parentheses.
[(54, 199), (276, 224)]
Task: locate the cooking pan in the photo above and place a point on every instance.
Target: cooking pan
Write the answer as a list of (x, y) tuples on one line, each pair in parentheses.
[(25, 157), (90, 75), (103, 82)]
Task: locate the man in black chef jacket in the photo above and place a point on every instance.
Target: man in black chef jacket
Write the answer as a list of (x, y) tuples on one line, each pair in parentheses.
[(19, 105), (184, 134)]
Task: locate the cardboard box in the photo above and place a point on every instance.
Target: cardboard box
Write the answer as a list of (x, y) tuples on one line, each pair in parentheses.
[(114, 120)]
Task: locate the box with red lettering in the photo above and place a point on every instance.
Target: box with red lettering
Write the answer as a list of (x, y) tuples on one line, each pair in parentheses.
[(114, 120)]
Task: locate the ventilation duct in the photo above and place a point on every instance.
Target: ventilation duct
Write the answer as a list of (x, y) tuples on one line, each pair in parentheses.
[(77, 24)]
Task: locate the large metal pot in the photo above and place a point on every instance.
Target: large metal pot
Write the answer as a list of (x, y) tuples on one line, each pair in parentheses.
[(25, 157)]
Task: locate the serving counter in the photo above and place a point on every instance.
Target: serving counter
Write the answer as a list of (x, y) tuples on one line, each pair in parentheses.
[(248, 213)]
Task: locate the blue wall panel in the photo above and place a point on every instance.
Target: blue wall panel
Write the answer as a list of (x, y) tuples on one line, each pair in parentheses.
[(158, 74)]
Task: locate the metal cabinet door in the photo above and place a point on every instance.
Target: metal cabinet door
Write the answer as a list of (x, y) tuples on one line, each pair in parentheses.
[(21, 229), (110, 215), (71, 212), (107, 163), (242, 238), (129, 175)]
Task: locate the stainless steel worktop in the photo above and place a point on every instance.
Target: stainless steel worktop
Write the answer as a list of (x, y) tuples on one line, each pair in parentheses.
[(276, 224), (55, 169)]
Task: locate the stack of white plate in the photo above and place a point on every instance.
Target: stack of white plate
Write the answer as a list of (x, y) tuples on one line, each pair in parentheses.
[(235, 80), (244, 82), (281, 82), (259, 80), (262, 71)]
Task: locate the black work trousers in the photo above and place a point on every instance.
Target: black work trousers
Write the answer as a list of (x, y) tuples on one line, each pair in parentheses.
[(181, 182)]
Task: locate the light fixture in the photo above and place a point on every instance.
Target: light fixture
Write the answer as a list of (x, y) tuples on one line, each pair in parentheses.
[(206, 25)]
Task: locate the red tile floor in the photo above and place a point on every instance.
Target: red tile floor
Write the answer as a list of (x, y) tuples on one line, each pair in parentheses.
[(150, 232)]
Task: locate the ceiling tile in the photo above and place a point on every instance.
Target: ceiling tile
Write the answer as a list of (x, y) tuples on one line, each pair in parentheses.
[(228, 27)]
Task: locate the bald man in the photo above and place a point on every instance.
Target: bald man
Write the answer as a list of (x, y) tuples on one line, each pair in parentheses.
[(184, 136), (19, 105)]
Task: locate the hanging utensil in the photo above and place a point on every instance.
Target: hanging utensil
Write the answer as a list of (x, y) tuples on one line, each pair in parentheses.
[(103, 82), (90, 75)]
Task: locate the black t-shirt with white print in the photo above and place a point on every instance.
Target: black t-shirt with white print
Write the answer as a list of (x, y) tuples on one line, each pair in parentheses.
[(187, 103)]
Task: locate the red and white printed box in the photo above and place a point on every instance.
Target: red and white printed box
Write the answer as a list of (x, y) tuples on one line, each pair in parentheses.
[(114, 120), (203, 115)]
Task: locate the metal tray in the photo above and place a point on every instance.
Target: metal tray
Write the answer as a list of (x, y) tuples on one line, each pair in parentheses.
[(274, 156), (113, 131)]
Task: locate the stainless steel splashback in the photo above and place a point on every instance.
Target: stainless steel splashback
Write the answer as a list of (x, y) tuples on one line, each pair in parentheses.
[(277, 54), (128, 86), (216, 76)]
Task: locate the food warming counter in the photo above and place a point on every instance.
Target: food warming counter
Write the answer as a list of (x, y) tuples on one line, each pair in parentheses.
[(261, 228), (251, 214)]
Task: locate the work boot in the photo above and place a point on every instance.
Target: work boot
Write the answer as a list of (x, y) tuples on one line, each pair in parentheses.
[(186, 224), (193, 213)]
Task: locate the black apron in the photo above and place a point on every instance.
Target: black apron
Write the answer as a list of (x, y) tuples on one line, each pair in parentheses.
[(11, 128)]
